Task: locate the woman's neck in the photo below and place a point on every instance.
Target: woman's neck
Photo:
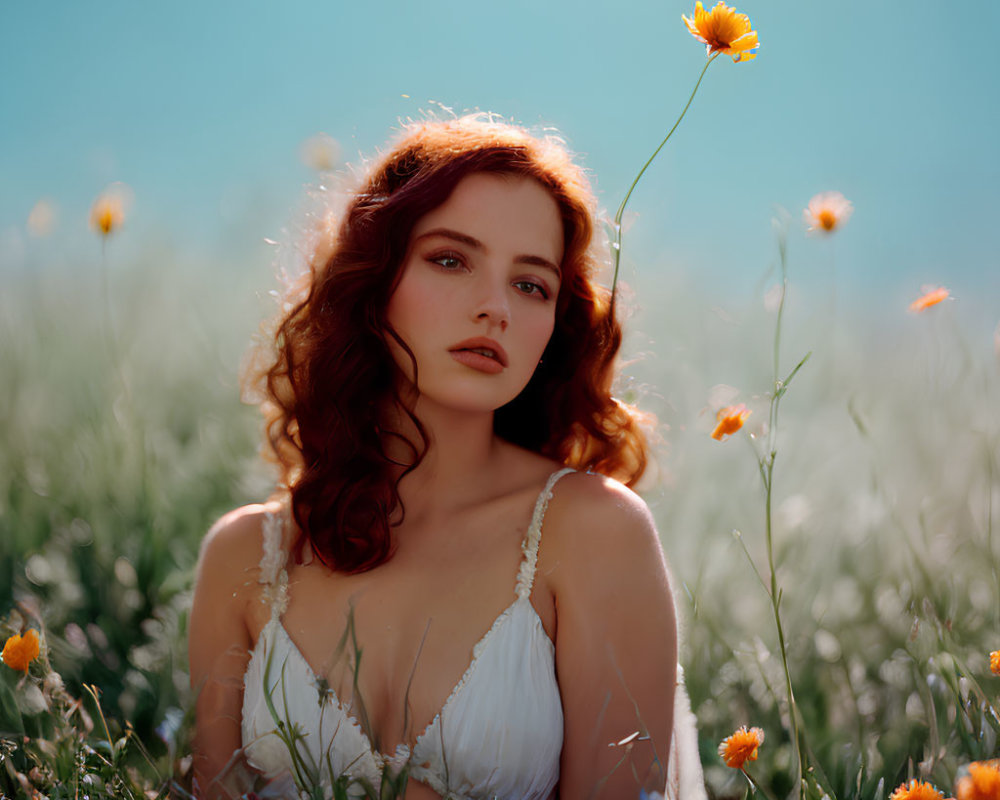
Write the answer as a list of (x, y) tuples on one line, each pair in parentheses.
[(461, 449)]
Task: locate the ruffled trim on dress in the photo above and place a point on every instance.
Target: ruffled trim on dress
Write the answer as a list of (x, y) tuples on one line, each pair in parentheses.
[(526, 572), (685, 778), (272, 566)]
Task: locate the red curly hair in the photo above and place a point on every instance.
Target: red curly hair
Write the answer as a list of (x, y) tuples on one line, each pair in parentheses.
[(329, 373)]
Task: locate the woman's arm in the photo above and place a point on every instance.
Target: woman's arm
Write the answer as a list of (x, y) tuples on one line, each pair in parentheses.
[(616, 640), (219, 642)]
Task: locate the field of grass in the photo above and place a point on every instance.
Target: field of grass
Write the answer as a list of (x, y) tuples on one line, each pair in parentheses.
[(124, 438)]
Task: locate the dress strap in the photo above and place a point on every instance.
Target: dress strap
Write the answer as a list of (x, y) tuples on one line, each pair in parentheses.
[(526, 574), (272, 565)]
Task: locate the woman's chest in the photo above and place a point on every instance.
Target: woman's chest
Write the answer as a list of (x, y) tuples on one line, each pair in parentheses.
[(396, 641), (498, 733)]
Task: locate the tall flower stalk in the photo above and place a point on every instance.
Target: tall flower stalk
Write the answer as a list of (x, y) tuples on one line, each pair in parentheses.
[(616, 244), (765, 462), (106, 216), (723, 31)]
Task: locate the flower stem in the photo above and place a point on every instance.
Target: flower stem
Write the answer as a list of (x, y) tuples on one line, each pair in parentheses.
[(775, 605), (783, 261), (754, 785), (110, 332), (767, 475), (616, 246)]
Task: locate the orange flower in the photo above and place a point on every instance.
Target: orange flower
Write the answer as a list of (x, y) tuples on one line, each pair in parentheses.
[(106, 215), (730, 419), (982, 782), (995, 662), (741, 747), (929, 298), (827, 211), (916, 790), (723, 31), (20, 651)]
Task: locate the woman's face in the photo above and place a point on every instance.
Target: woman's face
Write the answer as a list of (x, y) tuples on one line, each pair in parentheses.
[(477, 296)]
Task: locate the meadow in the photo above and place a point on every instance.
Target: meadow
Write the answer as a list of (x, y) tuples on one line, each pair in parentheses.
[(826, 486), (124, 438)]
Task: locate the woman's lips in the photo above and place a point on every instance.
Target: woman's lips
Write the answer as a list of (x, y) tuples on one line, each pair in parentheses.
[(477, 361), (481, 353)]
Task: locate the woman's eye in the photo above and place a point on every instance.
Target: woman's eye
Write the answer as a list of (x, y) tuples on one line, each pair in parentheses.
[(447, 261), (532, 288)]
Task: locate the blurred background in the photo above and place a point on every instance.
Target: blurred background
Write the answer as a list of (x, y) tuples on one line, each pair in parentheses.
[(203, 108), (124, 437)]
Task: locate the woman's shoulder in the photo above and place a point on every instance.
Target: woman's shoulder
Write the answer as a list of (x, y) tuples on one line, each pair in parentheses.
[(591, 504), (594, 521), (600, 546), (235, 543)]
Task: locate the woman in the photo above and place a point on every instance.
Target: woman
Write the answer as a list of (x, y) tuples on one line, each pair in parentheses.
[(448, 358)]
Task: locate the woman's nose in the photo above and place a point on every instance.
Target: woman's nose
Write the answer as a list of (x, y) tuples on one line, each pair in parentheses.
[(493, 306)]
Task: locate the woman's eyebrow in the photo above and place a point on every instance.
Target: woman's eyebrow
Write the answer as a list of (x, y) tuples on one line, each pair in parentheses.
[(448, 233), (471, 241)]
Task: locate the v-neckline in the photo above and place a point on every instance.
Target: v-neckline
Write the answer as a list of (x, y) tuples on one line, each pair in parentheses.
[(477, 650), (523, 591)]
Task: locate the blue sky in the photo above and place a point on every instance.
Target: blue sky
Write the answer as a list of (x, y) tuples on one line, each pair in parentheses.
[(201, 108)]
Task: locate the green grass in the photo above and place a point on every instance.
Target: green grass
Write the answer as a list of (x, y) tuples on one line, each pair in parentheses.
[(124, 440)]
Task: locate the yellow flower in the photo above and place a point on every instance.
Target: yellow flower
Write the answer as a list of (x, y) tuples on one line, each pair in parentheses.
[(995, 662), (729, 420), (20, 651), (723, 31), (741, 747), (108, 211), (929, 298), (827, 211), (916, 790), (982, 782)]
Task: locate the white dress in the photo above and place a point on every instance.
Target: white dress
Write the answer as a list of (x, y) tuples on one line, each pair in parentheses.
[(498, 735)]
